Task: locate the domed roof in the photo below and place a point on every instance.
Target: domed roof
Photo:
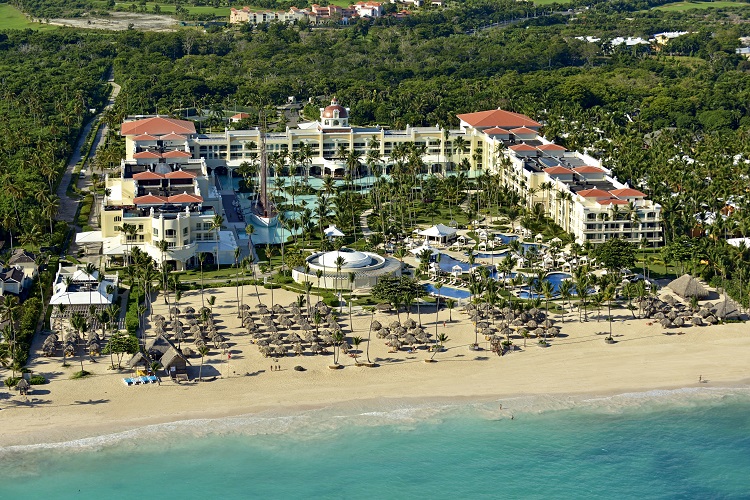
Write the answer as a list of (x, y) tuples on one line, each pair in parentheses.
[(328, 111), (352, 259)]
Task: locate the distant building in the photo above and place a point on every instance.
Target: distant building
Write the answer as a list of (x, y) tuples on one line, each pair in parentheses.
[(75, 288), (19, 273), (315, 14), (239, 117), (663, 38)]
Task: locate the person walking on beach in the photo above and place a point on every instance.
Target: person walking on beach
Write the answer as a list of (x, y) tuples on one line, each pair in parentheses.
[(700, 379)]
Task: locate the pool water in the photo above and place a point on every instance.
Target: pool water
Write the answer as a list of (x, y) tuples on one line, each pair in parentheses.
[(446, 291)]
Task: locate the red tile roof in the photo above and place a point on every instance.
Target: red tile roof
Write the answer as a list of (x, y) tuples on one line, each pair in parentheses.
[(240, 116), (157, 126), (612, 201), (522, 147), (185, 198), (172, 137), (149, 199), (558, 170), (496, 131), (594, 193), (145, 137), (522, 131), (177, 154), (588, 169), (498, 118), (180, 174), (627, 193), (551, 147), (146, 155), (147, 176)]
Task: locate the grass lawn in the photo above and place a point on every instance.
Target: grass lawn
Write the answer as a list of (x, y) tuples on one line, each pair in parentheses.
[(13, 19), (682, 6), (168, 9)]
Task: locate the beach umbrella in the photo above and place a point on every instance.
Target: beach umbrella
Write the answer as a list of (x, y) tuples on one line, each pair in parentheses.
[(383, 307), (375, 325), (307, 326), (262, 342), (324, 309), (553, 330), (423, 338), (293, 338), (276, 341), (298, 349), (517, 322), (261, 306), (547, 323), (400, 331), (279, 309), (539, 332), (189, 310), (410, 323), (187, 351), (192, 322), (394, 343), (199, 342), (159, 330), (94, 348), (697, 321), (533, 311), (666, 322), (258, 335), (174, 310), (672, 315), (531, 324), (704, 313), (267, 320), (482, 325), (286, 323), (345, 347), (271, 329), (679, 322), (295, 310), (394, 325), (659, 315), (506, 332), (410, 339), (158, 317), (315, 348), (265, 350), (711, 320)]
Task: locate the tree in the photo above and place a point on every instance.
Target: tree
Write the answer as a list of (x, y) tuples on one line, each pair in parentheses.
[(119, 344), (393, 289), (203, 351), (356, 341), (216, 223), (201, 260), (608, 295), (450, 304), (616, 254), (439, 343)]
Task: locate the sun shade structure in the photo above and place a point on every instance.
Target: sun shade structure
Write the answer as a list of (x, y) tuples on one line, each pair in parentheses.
[(439, 233), (686, 286)]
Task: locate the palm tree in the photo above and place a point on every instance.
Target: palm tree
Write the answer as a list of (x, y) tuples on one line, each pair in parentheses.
[(438, 286), (338, 338), (548, 290), (163, 246), (216, 223), (355, 342), (608, 295), (237, 252), (201, 260), (450, 304), (203, 351), (440, 340), (566, 293)]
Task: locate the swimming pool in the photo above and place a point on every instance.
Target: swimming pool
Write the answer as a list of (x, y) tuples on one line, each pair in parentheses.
[(446, 291), (555, 279)]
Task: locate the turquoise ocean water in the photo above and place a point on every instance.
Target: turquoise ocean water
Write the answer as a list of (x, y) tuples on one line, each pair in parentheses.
[(690, 443)]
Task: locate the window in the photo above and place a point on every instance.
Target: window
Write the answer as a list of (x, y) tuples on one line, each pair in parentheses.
[(184, 231), (140, 237), (156, 232), (170, 233), (118, 218), (591, 216), (140, 227), (171, 244)]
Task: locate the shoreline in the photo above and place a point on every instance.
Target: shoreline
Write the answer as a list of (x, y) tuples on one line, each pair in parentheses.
[(88, 436), (577, 365)]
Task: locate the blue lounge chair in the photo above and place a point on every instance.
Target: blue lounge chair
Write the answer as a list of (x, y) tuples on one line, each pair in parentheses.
[(153, 379), (127, 381), (144, 380)]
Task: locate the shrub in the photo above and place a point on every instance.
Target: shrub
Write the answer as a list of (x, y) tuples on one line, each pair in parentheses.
[(11, 381), (37, 380)]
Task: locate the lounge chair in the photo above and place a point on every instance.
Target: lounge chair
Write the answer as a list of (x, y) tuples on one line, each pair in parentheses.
[(127, 381), (153, 378), (145, 380)]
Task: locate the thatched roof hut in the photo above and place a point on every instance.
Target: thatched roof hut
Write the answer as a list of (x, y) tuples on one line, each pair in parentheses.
[(727, 309), (173, 358), (686, 286), (139, 358)]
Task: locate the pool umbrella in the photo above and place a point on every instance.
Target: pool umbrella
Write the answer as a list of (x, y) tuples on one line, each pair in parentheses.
[(697, 321)]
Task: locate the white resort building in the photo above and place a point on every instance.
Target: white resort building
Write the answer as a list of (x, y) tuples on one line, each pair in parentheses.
[(76, 289), (163, 192), (167, 191)]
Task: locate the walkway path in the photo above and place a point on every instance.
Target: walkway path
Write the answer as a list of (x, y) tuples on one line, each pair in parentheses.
[(68, 205), (366, 231)]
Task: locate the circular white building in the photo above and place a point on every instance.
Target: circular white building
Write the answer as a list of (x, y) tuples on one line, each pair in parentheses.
[(335, 267)]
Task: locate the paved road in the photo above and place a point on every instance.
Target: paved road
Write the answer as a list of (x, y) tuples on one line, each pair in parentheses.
[(69, 206)]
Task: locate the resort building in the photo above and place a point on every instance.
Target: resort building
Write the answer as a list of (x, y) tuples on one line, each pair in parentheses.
[(167, 186), (316, 14), (334, 269), (76, 289), (19, 273), (163, 193)]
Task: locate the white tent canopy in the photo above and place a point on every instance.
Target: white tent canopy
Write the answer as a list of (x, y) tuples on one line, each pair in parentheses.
[(439, 232), (333, 232), (417, 251), (89, 237)]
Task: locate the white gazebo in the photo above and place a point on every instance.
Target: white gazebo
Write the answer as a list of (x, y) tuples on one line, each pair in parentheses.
[(333, 232), (426, 246), (439, 233)]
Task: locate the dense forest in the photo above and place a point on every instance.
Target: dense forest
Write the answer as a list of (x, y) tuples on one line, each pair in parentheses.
[(640, 108)]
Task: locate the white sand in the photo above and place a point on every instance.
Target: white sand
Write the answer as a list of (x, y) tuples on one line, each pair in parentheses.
[(580, 362)]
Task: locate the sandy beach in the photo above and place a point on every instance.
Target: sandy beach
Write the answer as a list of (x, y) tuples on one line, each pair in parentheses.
[(578, 362)]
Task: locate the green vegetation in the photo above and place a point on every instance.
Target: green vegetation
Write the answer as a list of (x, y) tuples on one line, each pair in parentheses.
[(13, 19), (683, 6)]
